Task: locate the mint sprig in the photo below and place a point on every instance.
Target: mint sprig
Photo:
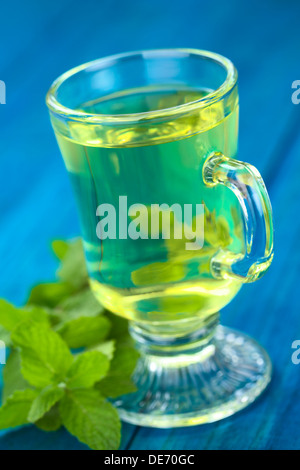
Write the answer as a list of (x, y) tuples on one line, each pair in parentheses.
[(86, 415), (68, 356)]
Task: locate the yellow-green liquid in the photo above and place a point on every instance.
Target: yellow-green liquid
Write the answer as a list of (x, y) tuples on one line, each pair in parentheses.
[(154, 162)]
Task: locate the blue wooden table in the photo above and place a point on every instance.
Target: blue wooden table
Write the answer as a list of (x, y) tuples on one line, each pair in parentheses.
[(39, 41)]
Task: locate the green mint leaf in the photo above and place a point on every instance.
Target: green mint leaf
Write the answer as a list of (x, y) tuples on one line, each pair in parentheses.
[(118, 380), (119, 328), (44, 355), (44, 402), (11, 317), (73, 267), (51, 421), (50, 294), (107, 348), (60, 248), (12, 376), (84, 331), (5, 336), (15, 410), (86, 415), (83, 304), (87, 369)]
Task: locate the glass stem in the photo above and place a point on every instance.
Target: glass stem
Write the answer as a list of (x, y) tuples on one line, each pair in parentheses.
[(158, 341)]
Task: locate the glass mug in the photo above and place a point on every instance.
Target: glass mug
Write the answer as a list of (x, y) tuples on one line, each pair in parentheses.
[(159, 129)]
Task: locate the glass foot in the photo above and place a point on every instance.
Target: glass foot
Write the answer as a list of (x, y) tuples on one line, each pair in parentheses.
[(224, 376)]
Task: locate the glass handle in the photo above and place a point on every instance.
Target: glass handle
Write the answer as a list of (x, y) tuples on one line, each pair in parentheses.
[(247, 184)]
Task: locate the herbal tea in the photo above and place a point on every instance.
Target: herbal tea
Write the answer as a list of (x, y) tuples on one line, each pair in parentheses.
[(154, 279)]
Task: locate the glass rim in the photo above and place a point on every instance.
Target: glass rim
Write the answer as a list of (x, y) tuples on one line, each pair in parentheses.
[(228, 84)]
